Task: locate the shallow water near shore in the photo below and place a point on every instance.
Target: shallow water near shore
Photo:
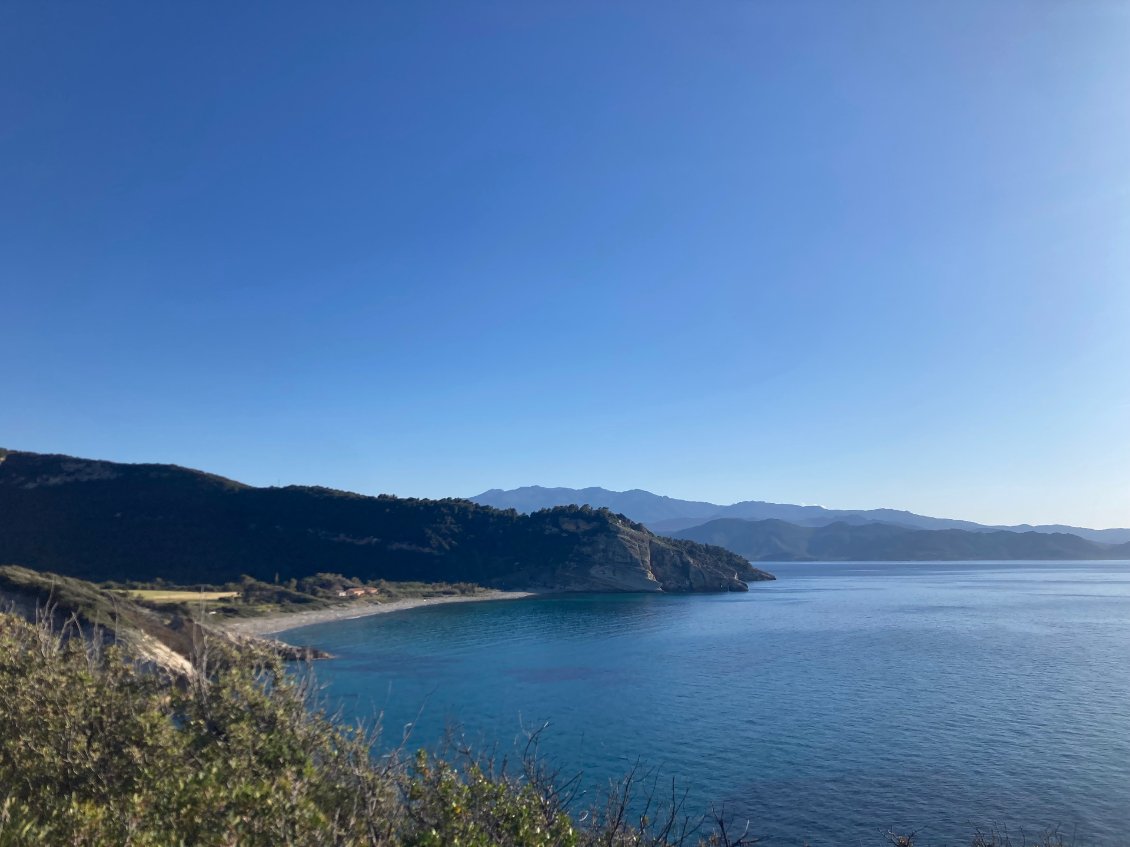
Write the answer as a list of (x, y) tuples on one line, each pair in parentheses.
[(839, 702)]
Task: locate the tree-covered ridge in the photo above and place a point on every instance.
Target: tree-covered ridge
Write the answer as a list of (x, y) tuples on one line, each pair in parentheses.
[(108, 521)]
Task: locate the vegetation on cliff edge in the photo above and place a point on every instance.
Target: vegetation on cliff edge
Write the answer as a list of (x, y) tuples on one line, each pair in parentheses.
[(95, 751)]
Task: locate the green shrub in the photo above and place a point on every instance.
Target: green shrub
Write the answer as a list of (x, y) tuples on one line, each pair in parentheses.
[(96, 750)]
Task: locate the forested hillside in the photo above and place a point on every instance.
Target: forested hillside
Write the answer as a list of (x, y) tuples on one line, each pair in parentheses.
[(108, 521)]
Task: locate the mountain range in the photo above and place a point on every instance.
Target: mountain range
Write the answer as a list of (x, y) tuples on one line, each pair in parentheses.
[(99, 521), (779, 541), (667, 515)]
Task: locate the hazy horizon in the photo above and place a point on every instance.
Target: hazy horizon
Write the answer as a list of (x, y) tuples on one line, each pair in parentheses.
[(865, 255)]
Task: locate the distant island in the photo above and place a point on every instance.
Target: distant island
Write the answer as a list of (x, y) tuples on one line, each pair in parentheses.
[(99, 521), (781, 532)]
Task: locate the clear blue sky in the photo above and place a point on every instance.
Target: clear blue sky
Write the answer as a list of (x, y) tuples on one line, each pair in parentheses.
[(856, 254)]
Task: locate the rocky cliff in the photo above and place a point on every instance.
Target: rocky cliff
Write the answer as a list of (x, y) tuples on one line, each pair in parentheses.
[(160, 640), (612, 553)]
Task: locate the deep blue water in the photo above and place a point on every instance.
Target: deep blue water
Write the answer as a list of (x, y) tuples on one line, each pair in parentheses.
[(839, 702)]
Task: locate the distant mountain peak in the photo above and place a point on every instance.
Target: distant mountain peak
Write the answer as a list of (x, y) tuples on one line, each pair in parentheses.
[(668, 515)]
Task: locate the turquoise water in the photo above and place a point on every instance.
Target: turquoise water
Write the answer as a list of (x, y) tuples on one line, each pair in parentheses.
[(839, 702)]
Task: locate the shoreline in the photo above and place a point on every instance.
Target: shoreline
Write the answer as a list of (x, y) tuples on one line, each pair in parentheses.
[(277, 624)]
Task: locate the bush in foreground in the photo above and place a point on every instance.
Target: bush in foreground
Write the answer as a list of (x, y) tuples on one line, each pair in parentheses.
[(96, 750)]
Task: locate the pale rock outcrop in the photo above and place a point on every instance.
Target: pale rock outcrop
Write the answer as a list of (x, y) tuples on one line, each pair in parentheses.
[(620, 555)]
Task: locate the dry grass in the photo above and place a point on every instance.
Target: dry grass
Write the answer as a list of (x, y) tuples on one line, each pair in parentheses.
[(159, 596)]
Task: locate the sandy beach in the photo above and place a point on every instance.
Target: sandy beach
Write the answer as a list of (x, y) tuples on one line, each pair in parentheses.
[(278, 624)]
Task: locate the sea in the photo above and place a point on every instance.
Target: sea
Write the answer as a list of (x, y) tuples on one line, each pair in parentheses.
[(835, 705)]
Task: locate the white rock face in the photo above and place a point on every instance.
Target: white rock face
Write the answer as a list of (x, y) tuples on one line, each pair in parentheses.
[(630, 558)]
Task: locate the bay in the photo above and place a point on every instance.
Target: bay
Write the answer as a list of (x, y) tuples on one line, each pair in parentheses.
[(839, 702)]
